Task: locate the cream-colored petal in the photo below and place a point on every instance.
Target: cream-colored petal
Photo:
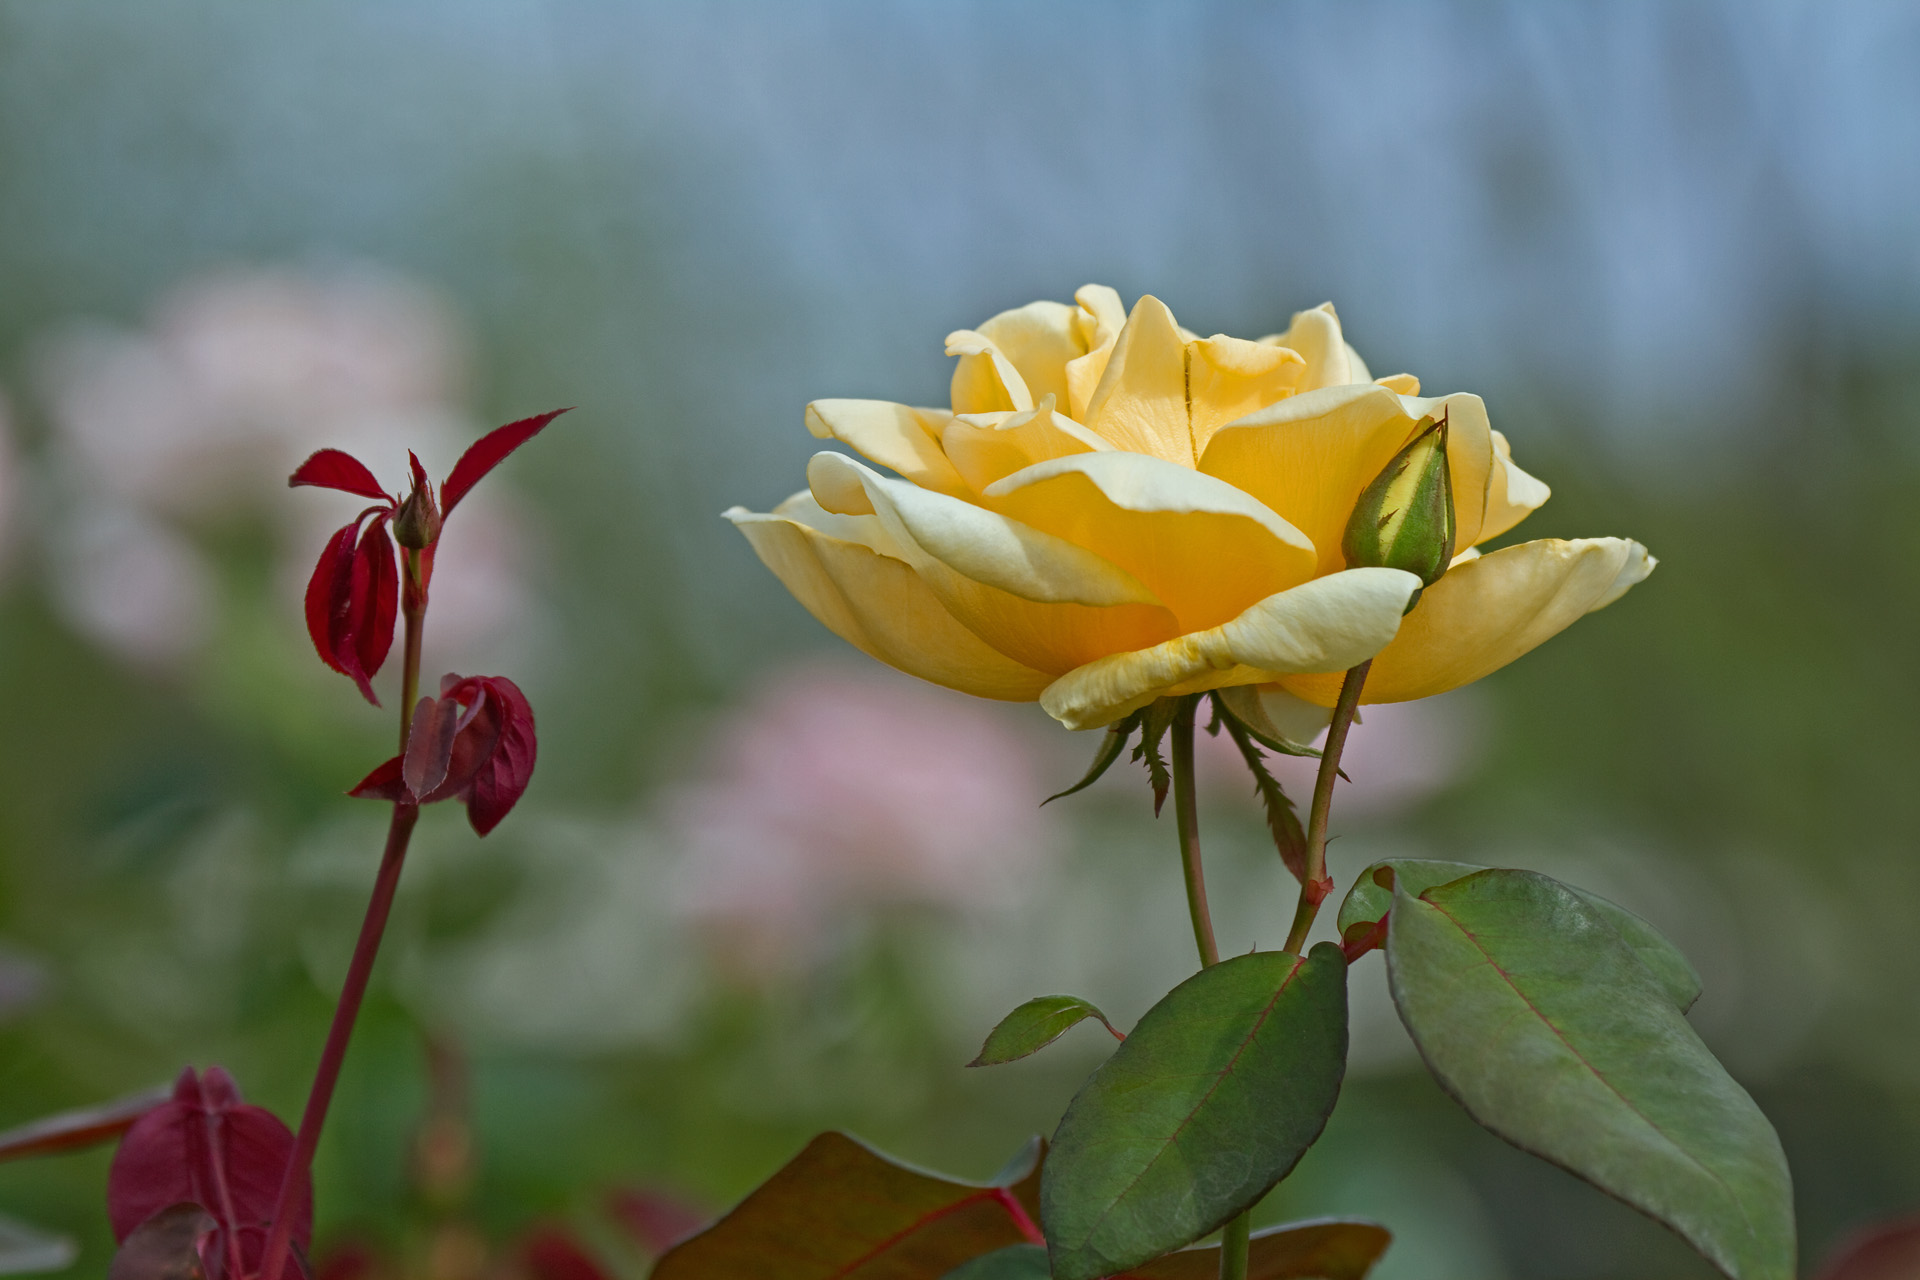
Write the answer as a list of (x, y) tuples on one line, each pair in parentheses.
[(1141, 402), (1229, 378), (984, 447), (1205, 549), (1402, 384), (1328, 624), (1356, 367), (1273, 711), (1486, 612), (1037, 598), (1512, 494), (1039, 338), (879, 605), (1100, 319), (984, 380), (893, 435), (1308, 457)]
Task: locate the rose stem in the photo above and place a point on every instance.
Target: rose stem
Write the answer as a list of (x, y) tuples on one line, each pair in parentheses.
[(1233, 1239), (1315, 888), (365, 949), (1187, 817)]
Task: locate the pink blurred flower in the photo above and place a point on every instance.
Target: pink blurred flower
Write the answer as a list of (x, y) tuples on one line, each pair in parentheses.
[(838, 789), (240, 375)]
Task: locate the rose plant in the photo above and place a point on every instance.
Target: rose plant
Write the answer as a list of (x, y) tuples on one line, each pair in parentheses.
[(1129, 523), (205, 1185)]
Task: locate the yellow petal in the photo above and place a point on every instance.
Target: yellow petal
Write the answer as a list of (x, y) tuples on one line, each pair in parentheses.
[(1205, 549), (1316, 336), (893, 435), (1099, 321), (1039, 339), (984, 380), (1309, 457), (1488, 611), (877, 603), (1141, 402), (1229, 378), (1328, 624), (1036, 598), (1512, 494), (1403, 384), (984, 447)]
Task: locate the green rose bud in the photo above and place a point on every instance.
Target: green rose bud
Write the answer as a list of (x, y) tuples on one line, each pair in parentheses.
[(416, 526), (1404, 519)]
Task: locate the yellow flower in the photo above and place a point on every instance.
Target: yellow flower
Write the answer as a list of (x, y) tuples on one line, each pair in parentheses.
[(1115, 509)]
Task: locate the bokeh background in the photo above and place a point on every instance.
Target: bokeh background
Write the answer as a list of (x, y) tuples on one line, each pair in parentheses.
[(761, 887)]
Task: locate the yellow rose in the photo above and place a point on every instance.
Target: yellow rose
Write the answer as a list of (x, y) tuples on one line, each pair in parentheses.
[(1115, 509)]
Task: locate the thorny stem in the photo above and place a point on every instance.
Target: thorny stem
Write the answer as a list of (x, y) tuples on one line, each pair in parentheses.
[(365, 950), (1187, 817), (1315, 888)]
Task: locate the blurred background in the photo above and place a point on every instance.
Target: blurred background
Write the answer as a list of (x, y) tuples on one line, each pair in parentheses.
[(750, 895)]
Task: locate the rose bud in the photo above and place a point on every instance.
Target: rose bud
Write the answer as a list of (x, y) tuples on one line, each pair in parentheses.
[(416, 525), (1404, 519)]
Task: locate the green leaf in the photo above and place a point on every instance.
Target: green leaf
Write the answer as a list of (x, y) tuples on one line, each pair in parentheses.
[(1015, 1262), (842, 1211), (1035, 1025), (1242, 704), (1283, 824), (1112, 743), (1539, 1018), (1208, 1103), (1369, 899)]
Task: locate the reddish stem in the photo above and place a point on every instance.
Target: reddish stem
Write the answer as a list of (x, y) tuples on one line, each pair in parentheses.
[(399, 832), (1021, 1218)]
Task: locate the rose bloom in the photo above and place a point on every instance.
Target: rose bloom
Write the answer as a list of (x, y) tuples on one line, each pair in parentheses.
[(1116, 510)]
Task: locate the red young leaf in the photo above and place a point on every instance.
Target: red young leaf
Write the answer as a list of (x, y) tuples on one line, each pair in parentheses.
[(553, 1254), (384, 783), (332, 469), (484, 454), (182, 1242), (374, 615), (501, 777), (71, 1130), (429, 745), (206, 1147), (324, 590)]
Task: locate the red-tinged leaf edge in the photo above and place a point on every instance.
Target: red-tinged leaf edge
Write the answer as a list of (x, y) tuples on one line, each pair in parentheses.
[(335, 469), (82, 1127), (384, 783), (1886, 1251), (486, 453), (552, 1253), (205, 1146)]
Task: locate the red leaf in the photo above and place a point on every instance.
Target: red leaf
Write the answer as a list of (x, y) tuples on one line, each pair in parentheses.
[(384, 783), (501, 777), (552, 1254), (430, 738), (182, 1242), (484, 454), (325, 592), (206, 1147), (332, 469), (374, 614), (656, 1220), (1888, 1251), (71, 1130)]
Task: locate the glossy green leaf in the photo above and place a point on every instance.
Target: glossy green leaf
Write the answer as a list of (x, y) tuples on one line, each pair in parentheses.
[(1538, 1017), (1210, 1101), (841, 1211), (1112, 743), (1369, 899), (1035, 1025), (1015, 1262)]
